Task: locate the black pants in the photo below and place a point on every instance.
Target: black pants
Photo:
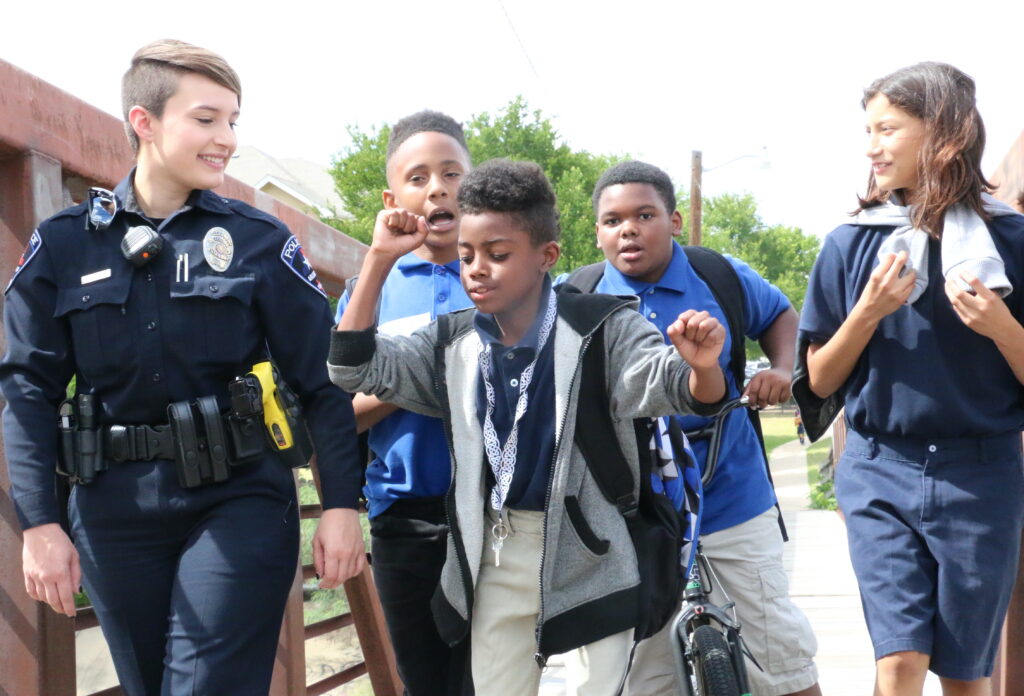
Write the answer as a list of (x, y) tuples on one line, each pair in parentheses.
[(189, 585), (409, 548)]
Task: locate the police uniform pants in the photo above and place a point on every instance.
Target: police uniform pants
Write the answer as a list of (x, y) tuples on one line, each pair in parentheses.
[(410, 543), (189, 585)]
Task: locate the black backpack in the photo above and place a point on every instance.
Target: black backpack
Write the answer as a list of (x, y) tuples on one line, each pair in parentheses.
[(721, 278), (655, 526)]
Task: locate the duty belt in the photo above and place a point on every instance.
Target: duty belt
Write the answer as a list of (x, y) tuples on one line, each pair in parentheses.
[(202, 443), (129, 443)]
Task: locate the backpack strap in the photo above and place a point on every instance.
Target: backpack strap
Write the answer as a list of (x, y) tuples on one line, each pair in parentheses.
[(586, 278), (595, 433), (724, 283)]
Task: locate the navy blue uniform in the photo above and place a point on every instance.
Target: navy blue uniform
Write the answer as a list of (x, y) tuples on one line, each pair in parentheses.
[(931, 481), (196, 579)]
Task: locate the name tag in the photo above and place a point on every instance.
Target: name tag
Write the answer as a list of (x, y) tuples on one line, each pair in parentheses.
[(93, 277)]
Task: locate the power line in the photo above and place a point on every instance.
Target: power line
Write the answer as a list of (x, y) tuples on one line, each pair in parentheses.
[(522, 46)]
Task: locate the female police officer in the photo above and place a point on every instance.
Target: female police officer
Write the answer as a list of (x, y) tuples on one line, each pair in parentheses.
[(161, 294)]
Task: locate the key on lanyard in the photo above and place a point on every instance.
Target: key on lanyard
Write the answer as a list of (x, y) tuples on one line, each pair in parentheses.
[(500, 532)]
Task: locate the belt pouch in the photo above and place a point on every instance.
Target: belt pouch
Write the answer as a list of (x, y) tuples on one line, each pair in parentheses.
[(216, 438), (90, 455), (248, 438), (67, 451), (189, 460)]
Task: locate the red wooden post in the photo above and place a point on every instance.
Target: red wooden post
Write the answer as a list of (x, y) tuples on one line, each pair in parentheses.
[(373, 635), (290, 663)]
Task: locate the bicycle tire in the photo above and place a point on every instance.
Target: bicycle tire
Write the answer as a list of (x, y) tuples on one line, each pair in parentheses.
[(712, 663)]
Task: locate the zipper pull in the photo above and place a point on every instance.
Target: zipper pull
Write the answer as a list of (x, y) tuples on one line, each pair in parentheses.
[(541, 660)]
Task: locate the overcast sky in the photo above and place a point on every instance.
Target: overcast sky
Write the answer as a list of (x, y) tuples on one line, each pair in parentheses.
[(655, 79)]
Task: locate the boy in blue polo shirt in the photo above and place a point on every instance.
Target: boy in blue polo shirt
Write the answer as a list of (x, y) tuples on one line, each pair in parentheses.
[(636, 222), (409, 475)]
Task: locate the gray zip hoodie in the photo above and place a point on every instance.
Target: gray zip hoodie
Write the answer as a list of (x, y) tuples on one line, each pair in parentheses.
[(588, 591)]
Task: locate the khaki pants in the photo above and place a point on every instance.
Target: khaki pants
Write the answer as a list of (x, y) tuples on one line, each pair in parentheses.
[(747, 559), (505, 609)]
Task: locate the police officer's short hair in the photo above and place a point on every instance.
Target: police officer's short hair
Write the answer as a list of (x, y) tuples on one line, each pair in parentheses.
[(517, 188), (156, 68), (635, 172), (424, 122)]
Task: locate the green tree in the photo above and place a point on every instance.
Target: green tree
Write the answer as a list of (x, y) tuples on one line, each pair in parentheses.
[(358, 175), (780, 254), (783, 255), (515, 132)]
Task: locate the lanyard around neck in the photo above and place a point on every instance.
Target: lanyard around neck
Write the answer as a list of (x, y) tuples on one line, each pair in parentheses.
[(503, 459)]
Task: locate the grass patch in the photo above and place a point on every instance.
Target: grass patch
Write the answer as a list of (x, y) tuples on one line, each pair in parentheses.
[(778, 429), (823, 497)]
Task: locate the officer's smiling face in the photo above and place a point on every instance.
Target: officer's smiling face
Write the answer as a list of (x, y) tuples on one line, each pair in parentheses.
[(189, 145)]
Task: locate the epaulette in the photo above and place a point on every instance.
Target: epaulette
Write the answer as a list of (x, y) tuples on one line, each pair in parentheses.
[(73, 211), (246, 210)]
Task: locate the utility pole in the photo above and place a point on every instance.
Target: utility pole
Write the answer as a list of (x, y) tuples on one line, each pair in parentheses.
[(696, 168)]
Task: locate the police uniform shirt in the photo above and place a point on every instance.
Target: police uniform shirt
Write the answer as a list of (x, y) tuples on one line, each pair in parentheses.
[(175, 329)]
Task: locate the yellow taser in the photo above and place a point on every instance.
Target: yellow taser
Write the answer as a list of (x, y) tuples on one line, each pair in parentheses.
[(274, 416)]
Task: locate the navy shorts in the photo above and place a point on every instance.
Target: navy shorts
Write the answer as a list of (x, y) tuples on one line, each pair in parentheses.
[(934, 528)]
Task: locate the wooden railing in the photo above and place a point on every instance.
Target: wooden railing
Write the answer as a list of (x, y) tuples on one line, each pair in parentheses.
[(52, 147)]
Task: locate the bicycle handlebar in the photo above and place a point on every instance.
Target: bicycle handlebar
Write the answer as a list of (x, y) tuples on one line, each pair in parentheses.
[(714, 430)]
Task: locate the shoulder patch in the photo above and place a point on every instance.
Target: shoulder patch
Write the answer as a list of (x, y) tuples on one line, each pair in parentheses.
[(34, 244), (297, 263)]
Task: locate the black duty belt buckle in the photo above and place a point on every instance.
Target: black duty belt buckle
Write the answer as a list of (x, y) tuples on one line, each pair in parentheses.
[(118, 445), (137, 443)]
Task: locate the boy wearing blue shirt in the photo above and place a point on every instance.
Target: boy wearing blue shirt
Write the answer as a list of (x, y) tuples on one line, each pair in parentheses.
[(426, 160), (636, 221), (539, 559)]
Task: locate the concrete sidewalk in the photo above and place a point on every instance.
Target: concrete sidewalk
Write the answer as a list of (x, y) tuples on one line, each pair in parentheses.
[(822, 584)]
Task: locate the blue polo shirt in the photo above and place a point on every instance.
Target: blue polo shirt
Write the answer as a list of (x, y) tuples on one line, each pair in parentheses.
[(536, 435), (410, 451), (740, 489), (924, 373)]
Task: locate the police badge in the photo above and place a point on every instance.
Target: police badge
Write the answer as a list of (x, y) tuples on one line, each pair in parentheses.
[(218, 248)]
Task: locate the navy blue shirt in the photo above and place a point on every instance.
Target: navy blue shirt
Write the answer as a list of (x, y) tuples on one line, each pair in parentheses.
[(410, 451), (924, 373), (175, 329), (536, 439), (740, 489)]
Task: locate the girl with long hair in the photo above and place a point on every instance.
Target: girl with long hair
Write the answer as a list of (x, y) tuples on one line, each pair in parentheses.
[(913, 318)]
